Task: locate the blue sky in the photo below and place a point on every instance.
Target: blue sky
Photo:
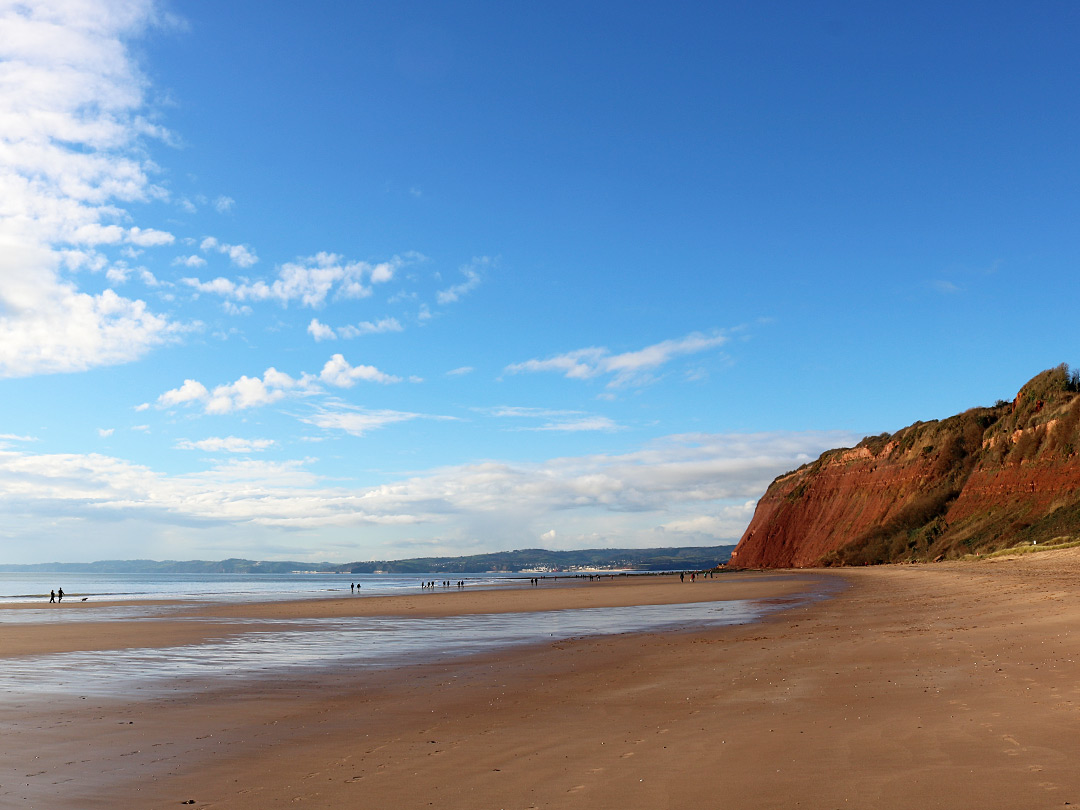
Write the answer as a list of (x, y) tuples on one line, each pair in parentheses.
[(392, 280)]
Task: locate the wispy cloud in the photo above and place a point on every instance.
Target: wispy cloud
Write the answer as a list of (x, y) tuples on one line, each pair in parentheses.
[(471, 272), (553, 420), (321, 331), (370, 328), (627, 368), (360, 421), (946, 287), (226, 444)]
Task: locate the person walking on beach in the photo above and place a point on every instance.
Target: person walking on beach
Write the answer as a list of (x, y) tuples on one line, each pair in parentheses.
[(60, 595), (52, 597)]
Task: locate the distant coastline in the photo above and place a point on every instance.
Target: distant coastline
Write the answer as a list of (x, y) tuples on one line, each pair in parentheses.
[(518, 560)]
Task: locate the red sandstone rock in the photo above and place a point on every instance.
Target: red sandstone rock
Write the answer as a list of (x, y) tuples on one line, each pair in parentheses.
[(981, 480)]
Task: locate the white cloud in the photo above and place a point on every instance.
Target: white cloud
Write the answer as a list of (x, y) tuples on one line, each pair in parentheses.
[(244, 393), (148, 237), (320, 331), (105, 432), (224, 204), (360, 421), (190, 261), (471, 282), (190, 391), (554, 420), (252, 392), (946, 287), (338, 372), (310, 281), (460, 372), (227, 444), (628, 368), (370, 328), (696, 489), (72, 125), (240, 255), (579, 424)]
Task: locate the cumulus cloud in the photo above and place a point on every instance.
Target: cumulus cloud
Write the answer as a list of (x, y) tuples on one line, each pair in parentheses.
[(338, 372), (72, 127), (190, 391), (309, 281), (226, 444), (240, 255), (244, 393), (628, 368), (274, 386), (105, 432), (320, 331), (149, 237), (224, 204)]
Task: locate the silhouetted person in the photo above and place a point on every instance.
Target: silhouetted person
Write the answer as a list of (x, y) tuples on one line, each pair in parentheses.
[(60, 595), (52, 597)]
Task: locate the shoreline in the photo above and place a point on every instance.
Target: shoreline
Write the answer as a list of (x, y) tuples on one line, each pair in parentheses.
[(915, 686), (184, 623)]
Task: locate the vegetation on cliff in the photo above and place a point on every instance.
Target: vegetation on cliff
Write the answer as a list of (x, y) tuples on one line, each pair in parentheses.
[(982, 480)]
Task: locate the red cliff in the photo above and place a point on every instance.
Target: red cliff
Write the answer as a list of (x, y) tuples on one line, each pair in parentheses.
[(982, 480)]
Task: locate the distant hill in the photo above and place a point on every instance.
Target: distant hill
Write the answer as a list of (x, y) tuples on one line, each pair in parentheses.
[(640, 559), (980, 481)]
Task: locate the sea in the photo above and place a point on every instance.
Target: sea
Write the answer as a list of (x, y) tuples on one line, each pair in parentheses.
[(27, 588), (274, 648)]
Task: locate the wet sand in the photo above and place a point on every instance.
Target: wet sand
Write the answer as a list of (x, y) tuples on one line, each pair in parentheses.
[(952, 685)]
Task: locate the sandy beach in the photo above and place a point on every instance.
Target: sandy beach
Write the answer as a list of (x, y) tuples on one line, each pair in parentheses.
[(950, 685)]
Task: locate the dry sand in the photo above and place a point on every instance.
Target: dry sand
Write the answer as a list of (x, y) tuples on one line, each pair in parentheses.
[(951, 686)]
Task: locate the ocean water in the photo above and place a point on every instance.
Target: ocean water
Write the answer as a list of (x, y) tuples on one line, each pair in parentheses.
[(35, 587)]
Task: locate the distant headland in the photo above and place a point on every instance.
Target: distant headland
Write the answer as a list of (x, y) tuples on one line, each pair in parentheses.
[(536, 560)]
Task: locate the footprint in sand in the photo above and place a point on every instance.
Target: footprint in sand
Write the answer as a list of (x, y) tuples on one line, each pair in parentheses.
[(626, 755), (576, 789)]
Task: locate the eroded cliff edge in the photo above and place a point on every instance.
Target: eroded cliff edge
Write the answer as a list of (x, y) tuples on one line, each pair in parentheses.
[(978, 481)]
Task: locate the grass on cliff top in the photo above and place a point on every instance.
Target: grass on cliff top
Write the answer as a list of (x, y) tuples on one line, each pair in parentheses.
[(1053, 545)]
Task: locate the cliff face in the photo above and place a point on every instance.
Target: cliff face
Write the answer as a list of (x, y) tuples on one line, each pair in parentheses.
[(984, 479)]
